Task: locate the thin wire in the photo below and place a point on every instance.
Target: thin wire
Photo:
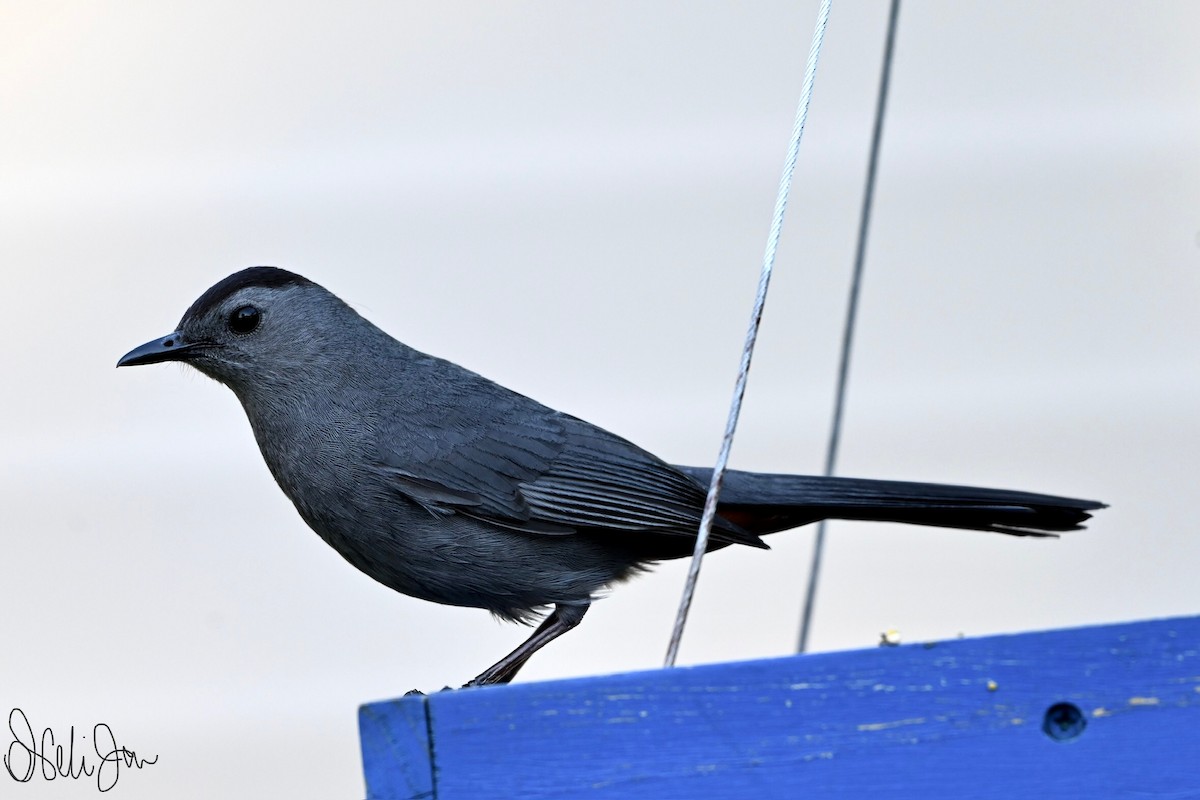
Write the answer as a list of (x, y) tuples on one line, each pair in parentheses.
[(864, 224), (764, 280)]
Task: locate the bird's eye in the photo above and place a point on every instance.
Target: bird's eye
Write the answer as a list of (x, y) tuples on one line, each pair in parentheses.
[(244, 320)]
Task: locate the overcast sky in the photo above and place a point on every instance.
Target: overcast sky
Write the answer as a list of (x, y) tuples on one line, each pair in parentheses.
[(573, 200)]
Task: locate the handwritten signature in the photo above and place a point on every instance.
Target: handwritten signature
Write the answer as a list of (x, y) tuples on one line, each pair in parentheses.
[(27, 756)]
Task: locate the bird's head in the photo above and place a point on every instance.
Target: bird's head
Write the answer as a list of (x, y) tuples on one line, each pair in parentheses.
[(258, 327)]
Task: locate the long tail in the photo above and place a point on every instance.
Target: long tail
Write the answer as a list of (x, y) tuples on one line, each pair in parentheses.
[(764, 503)]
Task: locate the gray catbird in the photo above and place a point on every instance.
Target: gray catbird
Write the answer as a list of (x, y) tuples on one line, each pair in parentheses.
[(445, 486)]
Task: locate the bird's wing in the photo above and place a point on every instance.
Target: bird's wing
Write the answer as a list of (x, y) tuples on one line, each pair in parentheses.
[(545, 473)]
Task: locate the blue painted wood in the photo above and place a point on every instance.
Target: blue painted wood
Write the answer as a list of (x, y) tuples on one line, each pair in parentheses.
[(397, 756), (964, 718)]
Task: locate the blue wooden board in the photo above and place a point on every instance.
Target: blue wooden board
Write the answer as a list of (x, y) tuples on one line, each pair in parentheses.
[(963, 718), (396, 750)]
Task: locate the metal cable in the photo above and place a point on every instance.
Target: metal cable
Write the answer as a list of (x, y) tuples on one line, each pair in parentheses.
[(785, 184), (864, 224)]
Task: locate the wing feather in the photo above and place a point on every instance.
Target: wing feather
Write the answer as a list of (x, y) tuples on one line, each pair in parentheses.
[(546, 473)]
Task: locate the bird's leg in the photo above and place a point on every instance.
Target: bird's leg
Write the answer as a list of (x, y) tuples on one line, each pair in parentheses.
[(562, 619)]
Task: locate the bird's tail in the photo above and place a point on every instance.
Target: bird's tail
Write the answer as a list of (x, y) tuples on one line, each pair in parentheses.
[(764, 503)]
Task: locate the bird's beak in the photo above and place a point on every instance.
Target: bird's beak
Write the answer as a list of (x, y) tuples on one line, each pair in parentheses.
[(169, 348)]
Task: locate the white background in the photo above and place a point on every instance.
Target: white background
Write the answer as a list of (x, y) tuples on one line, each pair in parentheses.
[(572, 198)]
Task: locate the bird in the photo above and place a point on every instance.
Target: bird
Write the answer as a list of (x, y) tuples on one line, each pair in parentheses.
[(448, 487)]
